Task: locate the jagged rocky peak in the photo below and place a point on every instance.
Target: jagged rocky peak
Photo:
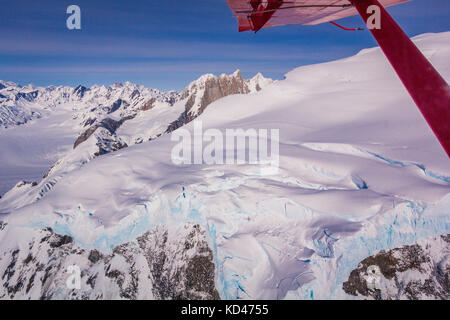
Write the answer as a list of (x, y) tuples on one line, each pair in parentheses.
[(258, 82), (27, 96), (118, 104), (141, 269), (80, 91), (209, 88), (6, 84)]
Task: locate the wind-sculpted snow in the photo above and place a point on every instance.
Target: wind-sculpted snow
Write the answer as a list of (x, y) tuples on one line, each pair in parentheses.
[(359, 172)]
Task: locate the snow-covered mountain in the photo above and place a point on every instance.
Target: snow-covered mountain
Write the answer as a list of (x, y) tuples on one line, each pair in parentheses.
[(359, 172), (20, 104), (103, 119)]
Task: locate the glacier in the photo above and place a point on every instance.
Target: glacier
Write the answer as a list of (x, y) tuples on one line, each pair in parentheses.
[(359, 172)]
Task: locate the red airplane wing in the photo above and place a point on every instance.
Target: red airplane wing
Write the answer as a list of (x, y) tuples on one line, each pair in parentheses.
[(427, 87), (257, 14)]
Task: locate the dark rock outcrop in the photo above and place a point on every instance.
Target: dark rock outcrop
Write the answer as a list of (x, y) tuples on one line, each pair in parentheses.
[(206, 91), (144, 268), (118, 104), (28, 96), (79, 91), (111, 126), (419, 271)]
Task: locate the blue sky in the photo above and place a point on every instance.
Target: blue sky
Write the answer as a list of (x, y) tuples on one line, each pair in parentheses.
[(166, 44)]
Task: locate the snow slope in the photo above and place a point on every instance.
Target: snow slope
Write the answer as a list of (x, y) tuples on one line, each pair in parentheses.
[(39, 126), (359, 171)]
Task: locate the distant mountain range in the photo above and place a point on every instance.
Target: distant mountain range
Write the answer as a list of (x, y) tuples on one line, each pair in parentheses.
[(21, 104)]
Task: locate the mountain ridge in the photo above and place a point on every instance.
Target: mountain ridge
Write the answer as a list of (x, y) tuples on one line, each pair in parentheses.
[(21, 104)]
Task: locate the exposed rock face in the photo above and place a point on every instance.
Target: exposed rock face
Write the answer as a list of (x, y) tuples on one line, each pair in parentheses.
[(24, 183), (420, 271), (209, 88), (120, 104), (107, 139), (28, 96), (161, 264), (85, 135), (108, 142), (148, 105), (80, 91), (194, 279)]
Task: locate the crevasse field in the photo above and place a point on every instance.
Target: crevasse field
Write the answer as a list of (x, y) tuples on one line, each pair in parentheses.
[(359, 171)]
